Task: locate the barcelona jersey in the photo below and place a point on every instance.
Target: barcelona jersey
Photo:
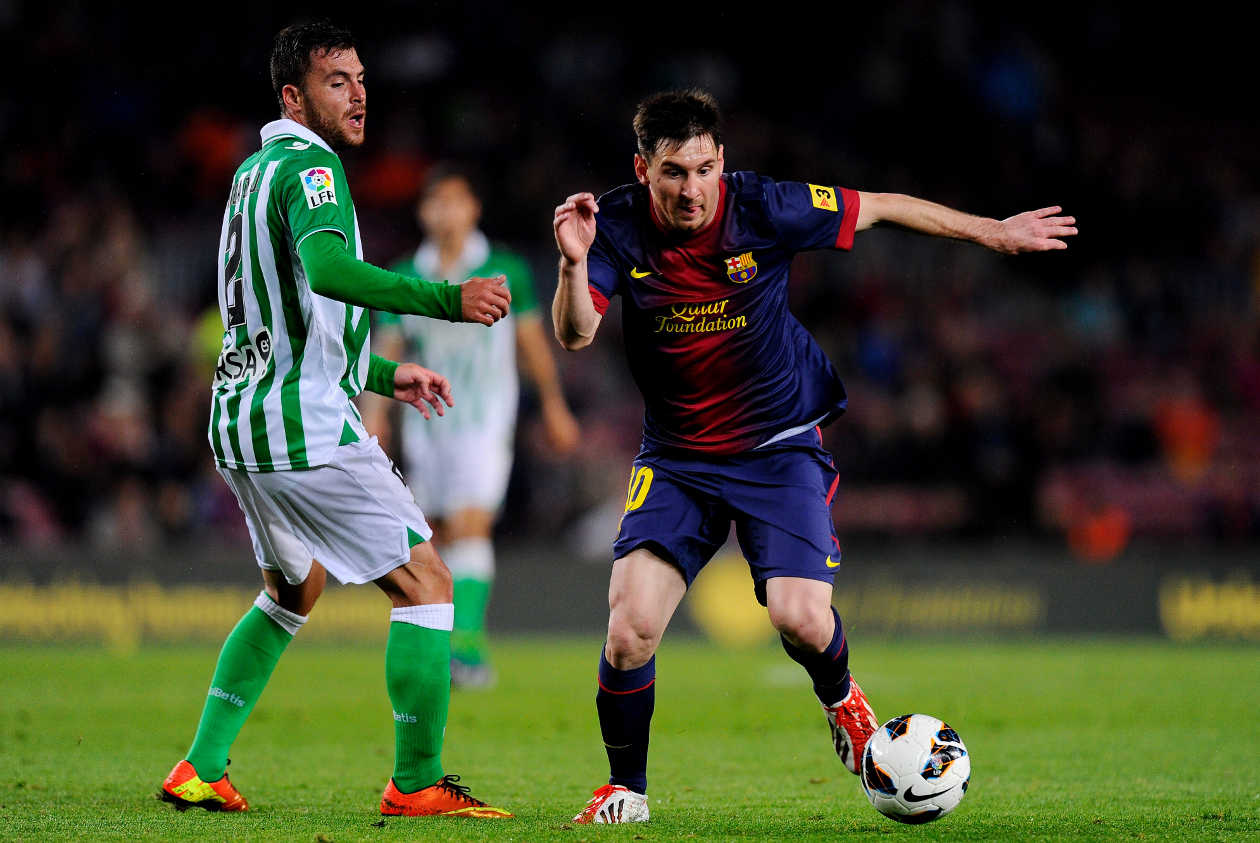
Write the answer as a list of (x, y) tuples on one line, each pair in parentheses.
[(722, 364)]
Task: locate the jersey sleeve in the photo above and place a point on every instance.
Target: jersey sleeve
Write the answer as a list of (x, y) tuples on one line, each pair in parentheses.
[(383, 319), (812, 216), (314, 196), (601, 273)]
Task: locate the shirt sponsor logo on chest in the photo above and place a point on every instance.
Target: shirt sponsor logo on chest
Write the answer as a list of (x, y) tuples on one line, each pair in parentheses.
[(698, 319), (245, 362)]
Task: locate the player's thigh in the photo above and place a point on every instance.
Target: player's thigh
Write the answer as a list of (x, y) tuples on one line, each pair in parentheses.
[(784, 523), (355, 514), (282, 554), (671, 517), (644, 590)]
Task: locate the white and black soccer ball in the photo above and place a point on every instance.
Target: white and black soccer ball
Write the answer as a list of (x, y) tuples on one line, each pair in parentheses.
[(915, 769)]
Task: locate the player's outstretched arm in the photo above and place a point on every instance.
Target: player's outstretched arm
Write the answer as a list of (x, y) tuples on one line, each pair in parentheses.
[(1031, 231), (572, 310), (418, 386), (410, 384), (332, 271), (484, 300)]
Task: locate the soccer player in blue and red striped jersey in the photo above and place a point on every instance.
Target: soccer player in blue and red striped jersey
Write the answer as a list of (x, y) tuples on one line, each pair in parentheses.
[(735, 391)]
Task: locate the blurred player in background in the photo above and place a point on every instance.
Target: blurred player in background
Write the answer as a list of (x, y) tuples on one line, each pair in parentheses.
[(459, 467), (735, 391), (319, 495)]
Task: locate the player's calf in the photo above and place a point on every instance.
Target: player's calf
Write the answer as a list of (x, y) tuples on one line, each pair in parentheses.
[(849, 714)]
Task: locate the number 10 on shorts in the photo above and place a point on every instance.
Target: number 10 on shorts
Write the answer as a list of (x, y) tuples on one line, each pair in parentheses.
[(640, 482)]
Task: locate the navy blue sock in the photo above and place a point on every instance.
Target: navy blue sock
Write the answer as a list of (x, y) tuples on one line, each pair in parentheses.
[(829, 669), (625, 701)]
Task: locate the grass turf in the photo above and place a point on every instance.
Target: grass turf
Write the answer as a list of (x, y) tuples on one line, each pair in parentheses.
[(1069, 739)]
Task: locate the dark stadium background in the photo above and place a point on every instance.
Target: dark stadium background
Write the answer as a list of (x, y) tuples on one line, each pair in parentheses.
[(1077, 426)]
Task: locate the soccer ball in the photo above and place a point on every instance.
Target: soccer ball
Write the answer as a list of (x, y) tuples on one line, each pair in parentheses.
[(915, 769)]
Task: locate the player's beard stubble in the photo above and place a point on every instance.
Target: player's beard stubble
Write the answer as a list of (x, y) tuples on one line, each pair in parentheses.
[(330, 128)]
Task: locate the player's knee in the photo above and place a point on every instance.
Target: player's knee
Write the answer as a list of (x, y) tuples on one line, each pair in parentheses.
[(631, 641), (437, 585), (431, 573), (423, 579), (300, 598), (805, 626)]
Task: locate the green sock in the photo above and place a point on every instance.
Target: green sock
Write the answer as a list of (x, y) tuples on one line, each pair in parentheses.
[(468, 639), (418, 675), (245, 663)]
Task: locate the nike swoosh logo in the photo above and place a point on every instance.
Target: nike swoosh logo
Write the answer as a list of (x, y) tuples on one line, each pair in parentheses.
[(299, 145), (634, 273), (831, 564), (911, 796)]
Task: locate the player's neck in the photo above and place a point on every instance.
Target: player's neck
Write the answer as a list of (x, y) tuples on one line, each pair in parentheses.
[(450, 251)]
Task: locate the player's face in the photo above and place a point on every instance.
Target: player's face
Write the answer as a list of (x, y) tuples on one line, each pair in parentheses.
[(449, 209), (334, 99), (685, 182)]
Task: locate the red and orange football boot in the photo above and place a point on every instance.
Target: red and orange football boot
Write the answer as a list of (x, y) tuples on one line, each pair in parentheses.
[(852, 723), (184, 789), (444, 799)]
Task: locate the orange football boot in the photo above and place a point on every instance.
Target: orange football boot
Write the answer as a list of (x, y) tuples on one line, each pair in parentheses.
[(852, 723), (184, 789), (446, 799)]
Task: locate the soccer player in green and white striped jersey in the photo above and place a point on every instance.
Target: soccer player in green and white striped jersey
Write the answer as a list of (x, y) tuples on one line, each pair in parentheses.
[(459, 468), (319, 495)]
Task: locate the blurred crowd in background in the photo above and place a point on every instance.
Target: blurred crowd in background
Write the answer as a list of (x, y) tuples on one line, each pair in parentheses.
[(1089, 397)]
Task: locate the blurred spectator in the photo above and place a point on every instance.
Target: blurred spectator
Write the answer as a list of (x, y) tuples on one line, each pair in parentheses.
[(1096, 396)]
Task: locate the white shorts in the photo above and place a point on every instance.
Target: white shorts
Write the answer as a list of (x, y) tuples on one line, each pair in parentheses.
[(352, 515), (462, 470)]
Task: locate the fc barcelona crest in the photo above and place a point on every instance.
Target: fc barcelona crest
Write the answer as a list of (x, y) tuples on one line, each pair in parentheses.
[(741, 269)]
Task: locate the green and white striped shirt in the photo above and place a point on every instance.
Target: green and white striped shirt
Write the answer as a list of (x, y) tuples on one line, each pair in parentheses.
[(291, 358), (479, 363)]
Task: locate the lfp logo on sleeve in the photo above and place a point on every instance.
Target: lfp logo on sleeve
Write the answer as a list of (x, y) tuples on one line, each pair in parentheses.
[(318, 184)]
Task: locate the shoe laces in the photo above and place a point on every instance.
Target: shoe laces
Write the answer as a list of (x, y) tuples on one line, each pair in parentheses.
[(601, 794), (449, 783)]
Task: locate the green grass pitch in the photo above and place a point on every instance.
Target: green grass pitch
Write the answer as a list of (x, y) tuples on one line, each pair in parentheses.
[(1069, 739)]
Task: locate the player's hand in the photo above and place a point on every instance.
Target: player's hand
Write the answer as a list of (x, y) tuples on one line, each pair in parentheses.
[(1033, 231), (484, 300), (563, 433), (574, 225), (422, 388)]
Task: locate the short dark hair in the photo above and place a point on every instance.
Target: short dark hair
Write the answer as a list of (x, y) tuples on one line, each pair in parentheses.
[(675, 117), (292, 49), (451, 169)]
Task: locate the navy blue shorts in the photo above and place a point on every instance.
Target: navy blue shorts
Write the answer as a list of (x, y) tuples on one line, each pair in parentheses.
[(681, 507)]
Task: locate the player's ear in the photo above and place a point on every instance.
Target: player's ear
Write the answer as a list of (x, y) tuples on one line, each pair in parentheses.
[(640, 168), (721, 162), (293, 100)]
